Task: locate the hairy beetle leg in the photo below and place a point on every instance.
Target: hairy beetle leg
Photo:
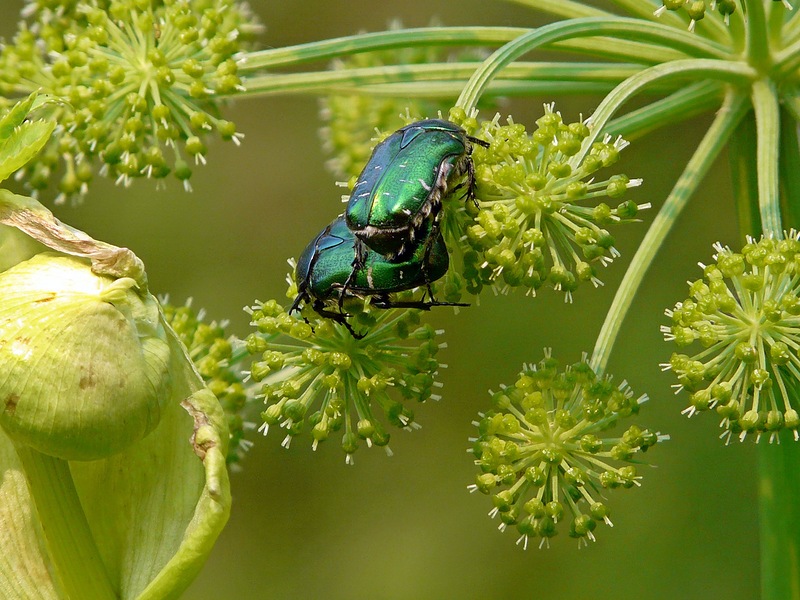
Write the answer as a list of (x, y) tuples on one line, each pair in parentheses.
[(386, 303), (338, 317)]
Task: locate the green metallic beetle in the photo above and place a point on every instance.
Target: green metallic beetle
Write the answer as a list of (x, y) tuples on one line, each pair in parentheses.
[(325, 274), (403, 183)]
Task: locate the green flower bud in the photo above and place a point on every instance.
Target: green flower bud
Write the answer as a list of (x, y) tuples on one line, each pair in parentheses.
[(84, 357)]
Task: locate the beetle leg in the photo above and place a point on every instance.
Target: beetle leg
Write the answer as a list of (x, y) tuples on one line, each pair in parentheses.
[(337, 317), (301, 297), (478, 141), (466, 167), (470, 193), (386, 303), (432, 234), (359, 259)]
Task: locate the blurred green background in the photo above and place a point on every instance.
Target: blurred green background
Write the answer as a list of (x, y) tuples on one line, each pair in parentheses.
[(305, 525)]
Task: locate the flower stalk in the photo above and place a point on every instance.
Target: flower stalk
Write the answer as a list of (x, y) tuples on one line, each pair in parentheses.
[(726, 121), (72, 549)]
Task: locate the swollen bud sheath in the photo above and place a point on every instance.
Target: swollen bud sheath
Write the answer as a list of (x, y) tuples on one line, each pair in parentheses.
[(83, 359)]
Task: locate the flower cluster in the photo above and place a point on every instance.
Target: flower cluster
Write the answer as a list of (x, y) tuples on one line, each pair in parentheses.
[(313, 371), (215, 358), (538, 218), (541, 452), (745, 314), (138, 81)]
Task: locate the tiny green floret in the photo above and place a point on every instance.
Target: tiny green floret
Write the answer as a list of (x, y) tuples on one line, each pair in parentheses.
[(314, 373), (543, 453), (138, 80), (540, 215), (745, 315), (216, 357)]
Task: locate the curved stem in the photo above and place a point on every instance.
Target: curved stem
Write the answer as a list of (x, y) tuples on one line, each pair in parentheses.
[(791, 29), (591, 26), (684, 104), (733, 109), (699, 69), (71, 547), (787, 60), (767, 111), (382, 40), (618, 49)]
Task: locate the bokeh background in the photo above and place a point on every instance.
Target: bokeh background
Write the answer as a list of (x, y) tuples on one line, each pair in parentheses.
[(305, 525)]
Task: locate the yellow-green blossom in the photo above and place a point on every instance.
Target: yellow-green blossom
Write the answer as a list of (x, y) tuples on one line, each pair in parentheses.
[(313, 371), (745, 315), (539, 216), (138, 82), (544, 455)]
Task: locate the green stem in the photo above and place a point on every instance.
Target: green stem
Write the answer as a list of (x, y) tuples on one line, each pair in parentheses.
[(448, 90), (592, 26), (757, 50), (618, 49), (790, 170), (778, 493), (787, 60), (382, 40), (777, 16), (324, 81), (767, 112), (791, 101), (646, 10), (566, 9), (791, 29), (732, 110), (71, 547), (738, 73), (686, 103), (779, 464), (744, 177)]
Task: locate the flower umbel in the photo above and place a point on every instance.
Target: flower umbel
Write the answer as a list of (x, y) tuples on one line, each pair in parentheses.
[(138, 79), (540, 219), (316, 372), (541, 452), (216, 357), (745, 313)]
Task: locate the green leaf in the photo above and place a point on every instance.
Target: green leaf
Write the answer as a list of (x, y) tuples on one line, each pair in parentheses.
[(24, 571), (15, 116), (23, 143), (20, 138)]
